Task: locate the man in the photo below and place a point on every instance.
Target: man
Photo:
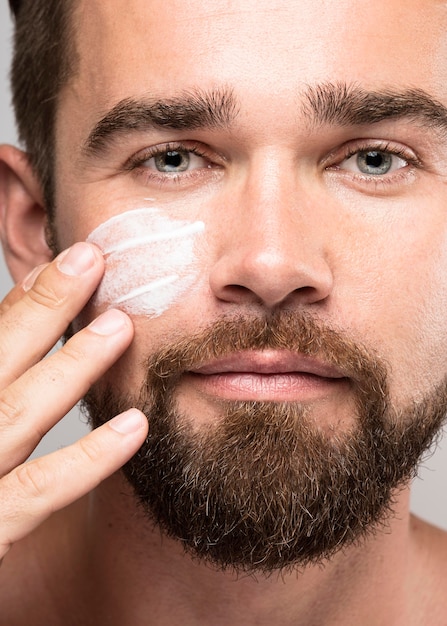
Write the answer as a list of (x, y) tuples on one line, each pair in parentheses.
[(252, 196)]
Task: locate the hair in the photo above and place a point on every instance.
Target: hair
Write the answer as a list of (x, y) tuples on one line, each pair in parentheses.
[(44, 58)]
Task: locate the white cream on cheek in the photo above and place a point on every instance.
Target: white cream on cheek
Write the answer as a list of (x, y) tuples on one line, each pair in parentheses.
[(151, 260)]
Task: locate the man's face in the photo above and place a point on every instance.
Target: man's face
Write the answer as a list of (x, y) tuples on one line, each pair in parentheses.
[(288, 158)]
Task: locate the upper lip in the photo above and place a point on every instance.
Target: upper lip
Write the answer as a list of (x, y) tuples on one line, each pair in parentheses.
[(269, 362)]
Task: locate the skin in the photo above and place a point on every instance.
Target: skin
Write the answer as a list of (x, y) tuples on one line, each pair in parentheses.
[(146, 273), (288, 225)]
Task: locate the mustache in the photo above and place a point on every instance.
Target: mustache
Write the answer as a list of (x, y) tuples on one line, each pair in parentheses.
[(299, 332)]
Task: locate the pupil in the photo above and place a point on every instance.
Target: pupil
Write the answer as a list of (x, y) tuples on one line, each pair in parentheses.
[(374, 159), (173, 159)]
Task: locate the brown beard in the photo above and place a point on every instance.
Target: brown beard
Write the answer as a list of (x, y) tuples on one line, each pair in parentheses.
[(265, 487)]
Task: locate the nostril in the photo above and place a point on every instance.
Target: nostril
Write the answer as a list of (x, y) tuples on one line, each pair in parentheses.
[(238, 293), (272, 298), (285, 275), (308, 294)]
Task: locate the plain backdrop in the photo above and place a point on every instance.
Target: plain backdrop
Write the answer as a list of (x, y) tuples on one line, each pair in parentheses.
[(428, 499)]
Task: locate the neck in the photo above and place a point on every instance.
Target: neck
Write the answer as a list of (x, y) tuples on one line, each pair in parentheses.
[(138, 573)]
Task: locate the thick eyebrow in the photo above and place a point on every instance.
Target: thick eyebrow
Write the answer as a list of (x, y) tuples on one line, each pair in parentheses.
[(187, 111), (336, 104), (350, 105)]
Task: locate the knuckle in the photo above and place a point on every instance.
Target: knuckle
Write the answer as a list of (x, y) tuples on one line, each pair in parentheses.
[(4, 307), (46, 296), (73, 353), (31, 479), (11, 408), (14, 427), (91, 449), (10, 300), (53, 375)]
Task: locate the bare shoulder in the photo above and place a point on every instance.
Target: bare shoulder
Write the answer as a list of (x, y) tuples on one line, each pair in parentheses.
[(429, 567), (37, 572)]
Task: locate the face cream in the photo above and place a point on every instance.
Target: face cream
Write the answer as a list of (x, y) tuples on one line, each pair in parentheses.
[(151, 260)]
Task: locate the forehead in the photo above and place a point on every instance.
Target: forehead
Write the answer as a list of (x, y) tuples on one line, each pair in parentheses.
[(195, 40), (266, 51)]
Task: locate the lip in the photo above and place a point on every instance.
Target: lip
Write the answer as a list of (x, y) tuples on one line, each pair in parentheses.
[(268, 375), (269, 362)]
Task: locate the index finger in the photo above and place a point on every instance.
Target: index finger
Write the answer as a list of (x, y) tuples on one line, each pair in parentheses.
[(32, 324)]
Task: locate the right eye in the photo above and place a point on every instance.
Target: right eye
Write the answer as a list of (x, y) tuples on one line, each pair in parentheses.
[(174, 161)]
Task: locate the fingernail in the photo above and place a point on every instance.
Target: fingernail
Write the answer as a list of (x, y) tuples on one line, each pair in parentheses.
[(76, 260), (31, 278), (108, 323), (128, 422)]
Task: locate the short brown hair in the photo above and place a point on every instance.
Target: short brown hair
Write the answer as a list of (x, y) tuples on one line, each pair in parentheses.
[(43, 60)]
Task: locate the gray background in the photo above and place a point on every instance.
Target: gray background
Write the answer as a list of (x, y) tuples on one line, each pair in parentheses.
[(429, 488)]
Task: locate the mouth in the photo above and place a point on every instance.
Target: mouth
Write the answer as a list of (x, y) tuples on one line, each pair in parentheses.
[(268, 375)]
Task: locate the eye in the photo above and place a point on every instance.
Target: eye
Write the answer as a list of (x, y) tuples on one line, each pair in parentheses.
[(373, 162), (184, 164), (174, 161)]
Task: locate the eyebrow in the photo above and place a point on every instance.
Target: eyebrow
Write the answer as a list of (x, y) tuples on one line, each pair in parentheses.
[(335, 104), (350, 105), (190, 110)]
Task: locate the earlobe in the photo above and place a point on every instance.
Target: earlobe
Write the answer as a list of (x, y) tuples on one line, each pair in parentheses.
[(23, 218)]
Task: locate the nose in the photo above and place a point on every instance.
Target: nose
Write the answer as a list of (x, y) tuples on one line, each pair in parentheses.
[(271, 251)]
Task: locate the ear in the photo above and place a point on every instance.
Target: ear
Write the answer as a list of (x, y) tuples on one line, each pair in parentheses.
[(23, 218)]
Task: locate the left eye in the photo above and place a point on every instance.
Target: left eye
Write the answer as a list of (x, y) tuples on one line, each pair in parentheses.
[(373, 163), (175, 161)]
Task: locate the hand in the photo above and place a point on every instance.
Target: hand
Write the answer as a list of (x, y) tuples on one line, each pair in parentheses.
[(35, 394)]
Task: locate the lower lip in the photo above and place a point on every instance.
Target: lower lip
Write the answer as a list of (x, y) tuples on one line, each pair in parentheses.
[(249, 386)]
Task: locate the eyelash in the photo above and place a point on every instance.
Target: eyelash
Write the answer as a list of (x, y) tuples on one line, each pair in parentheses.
[(135, 163), (377, 146)]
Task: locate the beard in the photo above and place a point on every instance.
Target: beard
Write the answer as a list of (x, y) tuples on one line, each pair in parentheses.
[(265, 487)]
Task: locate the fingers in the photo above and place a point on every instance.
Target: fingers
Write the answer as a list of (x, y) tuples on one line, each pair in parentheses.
[(32, 404), (35, 315), (31, 492), (18, 290), (36, 393)]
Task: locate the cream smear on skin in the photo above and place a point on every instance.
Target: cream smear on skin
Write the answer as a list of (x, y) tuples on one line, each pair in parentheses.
[(151, 260)]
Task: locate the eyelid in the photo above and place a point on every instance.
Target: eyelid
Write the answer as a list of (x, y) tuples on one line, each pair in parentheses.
[(135, 166), (351, 148), (193, 147)]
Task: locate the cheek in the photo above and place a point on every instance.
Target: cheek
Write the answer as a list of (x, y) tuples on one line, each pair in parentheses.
[(151, 261), (391, 289), (411, 306)]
